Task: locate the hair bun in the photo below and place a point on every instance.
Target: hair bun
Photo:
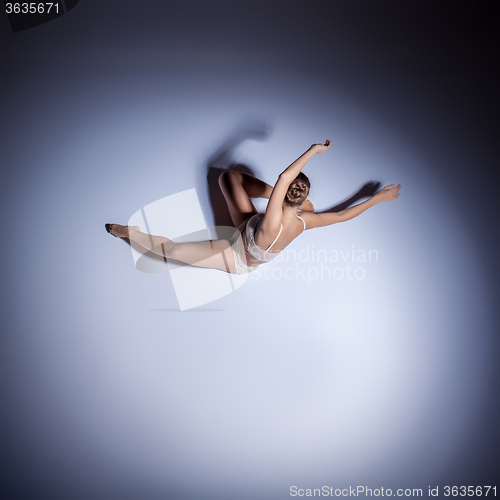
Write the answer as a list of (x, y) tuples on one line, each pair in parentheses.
[(298, 190)]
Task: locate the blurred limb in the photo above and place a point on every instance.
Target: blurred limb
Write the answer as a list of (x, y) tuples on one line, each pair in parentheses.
[(366, 191), (223, 156)]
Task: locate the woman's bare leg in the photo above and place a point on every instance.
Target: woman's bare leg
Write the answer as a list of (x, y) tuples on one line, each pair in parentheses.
[(234, 187), (238, 188), (255, 188), (213, 254)]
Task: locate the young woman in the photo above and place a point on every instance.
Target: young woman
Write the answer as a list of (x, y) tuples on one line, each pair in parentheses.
[(260, 237)]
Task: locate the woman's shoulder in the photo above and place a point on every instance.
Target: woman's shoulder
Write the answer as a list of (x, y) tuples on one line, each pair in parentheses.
[(309, 218)]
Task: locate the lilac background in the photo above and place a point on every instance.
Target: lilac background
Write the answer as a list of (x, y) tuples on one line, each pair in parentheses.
[(389, 381)]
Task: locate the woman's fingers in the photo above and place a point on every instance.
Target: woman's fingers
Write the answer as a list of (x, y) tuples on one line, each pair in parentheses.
[(396, 191), (391, 191)]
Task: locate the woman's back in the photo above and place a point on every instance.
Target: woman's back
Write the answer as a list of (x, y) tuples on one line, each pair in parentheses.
[(287, 233)]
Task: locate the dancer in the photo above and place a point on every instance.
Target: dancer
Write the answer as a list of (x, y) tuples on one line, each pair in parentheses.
[(260, 237)]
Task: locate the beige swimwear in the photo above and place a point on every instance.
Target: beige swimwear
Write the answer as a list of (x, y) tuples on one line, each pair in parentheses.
[(244, 237)]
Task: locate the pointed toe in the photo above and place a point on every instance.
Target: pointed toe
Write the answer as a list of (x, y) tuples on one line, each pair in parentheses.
[(108, 228)]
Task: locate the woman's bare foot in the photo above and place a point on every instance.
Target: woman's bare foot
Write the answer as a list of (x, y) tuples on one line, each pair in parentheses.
[(306, 206), (120, 231)]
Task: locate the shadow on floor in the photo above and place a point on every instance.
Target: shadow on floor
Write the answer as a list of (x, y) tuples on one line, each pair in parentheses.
[(223, 159)]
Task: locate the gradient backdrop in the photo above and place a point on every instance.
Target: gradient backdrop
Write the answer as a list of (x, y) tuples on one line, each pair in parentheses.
[(386, 380)]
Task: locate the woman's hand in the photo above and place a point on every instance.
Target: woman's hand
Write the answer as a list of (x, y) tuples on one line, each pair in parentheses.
[(389, 193), (321, 148)]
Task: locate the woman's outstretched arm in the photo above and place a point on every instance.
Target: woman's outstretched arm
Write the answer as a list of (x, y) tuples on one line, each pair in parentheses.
[(295, 168), (389, 193), (274, 211)]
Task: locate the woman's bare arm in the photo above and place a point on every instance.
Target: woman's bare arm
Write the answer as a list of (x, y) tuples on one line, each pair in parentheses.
[(274, 211), (312, 220), (295, 168)]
